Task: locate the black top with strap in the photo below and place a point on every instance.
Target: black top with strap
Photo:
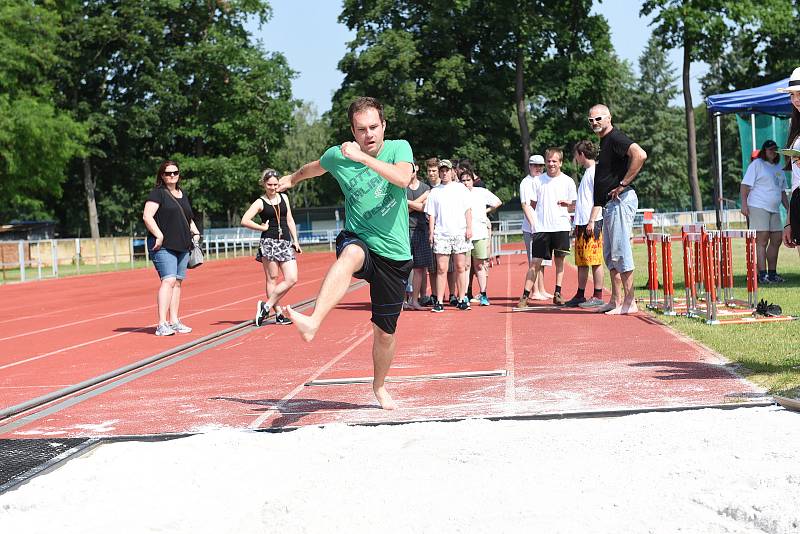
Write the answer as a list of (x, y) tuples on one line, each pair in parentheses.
[(171, 218), (275, 215)]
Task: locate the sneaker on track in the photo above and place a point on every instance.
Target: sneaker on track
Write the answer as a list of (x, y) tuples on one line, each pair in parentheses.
[(593, 302), (282, 319), (261, 313), (484, 300), (437, 308), (523, 303), (776, 278), (574, 302), (164, 330), (453, 301), (180, 328), (764, 279), (557, 300)]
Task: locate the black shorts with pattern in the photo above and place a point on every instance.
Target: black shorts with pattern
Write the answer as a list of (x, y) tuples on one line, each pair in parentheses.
[(387, 281), (279, 250)]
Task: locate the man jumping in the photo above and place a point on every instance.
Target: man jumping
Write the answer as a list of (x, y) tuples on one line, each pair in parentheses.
[(374, 246)]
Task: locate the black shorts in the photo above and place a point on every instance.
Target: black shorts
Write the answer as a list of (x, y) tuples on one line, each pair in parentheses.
[(421, 251), (547, 244), (387, 281)]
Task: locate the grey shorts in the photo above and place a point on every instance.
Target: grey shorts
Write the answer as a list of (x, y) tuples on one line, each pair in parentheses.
[(762, 220), (617, 228)]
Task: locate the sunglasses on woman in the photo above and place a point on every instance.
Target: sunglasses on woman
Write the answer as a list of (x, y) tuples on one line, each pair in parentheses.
[(172, 173)]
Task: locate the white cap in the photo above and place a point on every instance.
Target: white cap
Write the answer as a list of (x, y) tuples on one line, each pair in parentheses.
[(536, 159)]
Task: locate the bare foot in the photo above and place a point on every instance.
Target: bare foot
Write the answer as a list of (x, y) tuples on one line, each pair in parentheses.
[(416, 306), (547, 296), (606, 307), (305, 325), (624, 309), (384, 399)]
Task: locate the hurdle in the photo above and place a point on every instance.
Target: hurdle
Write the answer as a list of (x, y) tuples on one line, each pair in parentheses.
[(707, 260)]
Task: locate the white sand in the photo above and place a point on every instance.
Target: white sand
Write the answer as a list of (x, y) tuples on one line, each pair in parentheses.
[(708, 471)]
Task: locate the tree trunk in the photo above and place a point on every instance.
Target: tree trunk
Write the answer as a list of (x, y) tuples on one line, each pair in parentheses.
[(522, 115), (89, 185), (691, 133)]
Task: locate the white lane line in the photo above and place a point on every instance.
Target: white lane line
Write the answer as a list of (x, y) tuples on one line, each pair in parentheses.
[(510, 392), (285, 400)]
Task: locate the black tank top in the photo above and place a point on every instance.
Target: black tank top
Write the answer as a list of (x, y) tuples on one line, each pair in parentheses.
[(269, 214)]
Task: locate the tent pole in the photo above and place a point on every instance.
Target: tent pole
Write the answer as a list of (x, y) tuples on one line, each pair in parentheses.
[(720, 200), (753, 129)]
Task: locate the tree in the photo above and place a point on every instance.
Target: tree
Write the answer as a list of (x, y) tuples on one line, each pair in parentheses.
[(37, 141), (700, 28)]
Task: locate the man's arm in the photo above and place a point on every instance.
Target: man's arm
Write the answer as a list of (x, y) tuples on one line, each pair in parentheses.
[(637, 157), (419, 204), (744, 192), (527, 210), (398, 173), (309, 170)]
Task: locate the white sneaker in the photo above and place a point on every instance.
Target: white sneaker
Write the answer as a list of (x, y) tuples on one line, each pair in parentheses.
[(164, 330), (180, 328)]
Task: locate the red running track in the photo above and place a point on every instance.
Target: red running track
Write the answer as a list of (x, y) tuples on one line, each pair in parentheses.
[(549, 361)]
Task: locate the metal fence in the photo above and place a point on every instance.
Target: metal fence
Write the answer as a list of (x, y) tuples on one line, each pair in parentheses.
[(21, 261)]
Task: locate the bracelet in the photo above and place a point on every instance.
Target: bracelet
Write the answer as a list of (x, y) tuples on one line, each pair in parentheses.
[(787, 226)]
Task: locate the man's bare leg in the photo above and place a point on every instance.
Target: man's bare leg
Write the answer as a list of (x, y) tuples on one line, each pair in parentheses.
[(333, 289), (383, 347), (616, 289), (628, 304)]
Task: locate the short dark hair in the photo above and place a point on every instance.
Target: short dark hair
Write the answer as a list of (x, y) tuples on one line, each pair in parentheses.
[(364, 102), (586, 149), (160, 173)]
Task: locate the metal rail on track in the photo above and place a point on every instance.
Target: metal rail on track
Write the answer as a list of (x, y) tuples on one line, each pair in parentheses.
[(31, 404)]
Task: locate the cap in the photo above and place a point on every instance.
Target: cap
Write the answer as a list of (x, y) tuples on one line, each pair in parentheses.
[(769, 143), (445, 163), (536, 159)]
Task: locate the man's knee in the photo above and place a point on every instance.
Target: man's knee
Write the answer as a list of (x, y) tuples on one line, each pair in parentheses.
[(352, 255)]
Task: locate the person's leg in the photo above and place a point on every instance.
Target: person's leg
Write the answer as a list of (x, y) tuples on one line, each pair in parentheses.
[(289, 270), (175, 303), (597, 278), (762, 239), (271, 271), (539, 290), (423, 283), (460, 264), (452, 276), (559, 263), (442, 261), (334, 286), (164, 300), (417, 276), (479, 266), (583, 277), (383, 349), (529, 275), (773, 248)]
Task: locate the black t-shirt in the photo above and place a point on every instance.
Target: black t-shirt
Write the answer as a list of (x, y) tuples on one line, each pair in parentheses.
[(171, 219), (612, 164), (417, 219), (269, 214)]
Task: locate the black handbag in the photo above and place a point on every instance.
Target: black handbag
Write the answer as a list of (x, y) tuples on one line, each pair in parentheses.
[(196, 253)]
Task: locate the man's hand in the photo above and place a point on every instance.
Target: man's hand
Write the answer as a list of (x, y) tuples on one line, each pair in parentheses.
[(564, 203), (285, 183), (787, 236), (468, 234), (614, 194), (744, 210), (590, 228), (352, 151)]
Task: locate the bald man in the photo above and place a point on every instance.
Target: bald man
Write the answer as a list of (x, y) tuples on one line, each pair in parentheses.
[(619, 162)]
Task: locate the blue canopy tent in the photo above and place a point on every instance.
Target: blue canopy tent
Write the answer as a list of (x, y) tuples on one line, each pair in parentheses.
[(764, 100)]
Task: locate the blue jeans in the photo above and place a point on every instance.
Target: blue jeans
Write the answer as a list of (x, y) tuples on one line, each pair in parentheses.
[(169, 263), (618, 227)]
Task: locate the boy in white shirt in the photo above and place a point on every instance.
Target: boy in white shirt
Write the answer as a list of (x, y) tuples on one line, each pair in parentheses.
[(553, 198), (449, 211), (588, 247), (483, 202), (526, 186)]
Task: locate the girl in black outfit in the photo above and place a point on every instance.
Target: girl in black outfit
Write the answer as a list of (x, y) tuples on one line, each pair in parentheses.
[(791, 232), (171, 233), (277, 247)]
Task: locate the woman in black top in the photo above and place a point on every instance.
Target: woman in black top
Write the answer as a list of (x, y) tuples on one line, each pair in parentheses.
[(171, 233), (276, 250)]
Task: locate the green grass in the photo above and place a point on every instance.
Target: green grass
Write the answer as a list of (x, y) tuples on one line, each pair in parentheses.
[(766, 352)]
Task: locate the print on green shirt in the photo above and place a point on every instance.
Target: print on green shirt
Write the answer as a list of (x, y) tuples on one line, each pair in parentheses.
[(375, 210)]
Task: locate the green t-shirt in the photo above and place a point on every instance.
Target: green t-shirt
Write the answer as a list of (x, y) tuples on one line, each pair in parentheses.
[(375, 209)]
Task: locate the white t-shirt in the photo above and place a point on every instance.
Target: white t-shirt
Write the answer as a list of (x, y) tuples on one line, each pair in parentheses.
[(767, 181), (525, 197), (547, 191), (796, 166), (448, 205), (481, 197), (583, 207)]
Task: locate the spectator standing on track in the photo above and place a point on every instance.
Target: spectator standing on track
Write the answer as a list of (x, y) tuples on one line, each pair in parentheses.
[(619, 161), (171, 234), (483, 203), (553, 198), (432, 171), (532, 281), (793, 143), (417, 194), (762, 193), (588, 247), (450, 232), (373, 174), (277, 247)]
